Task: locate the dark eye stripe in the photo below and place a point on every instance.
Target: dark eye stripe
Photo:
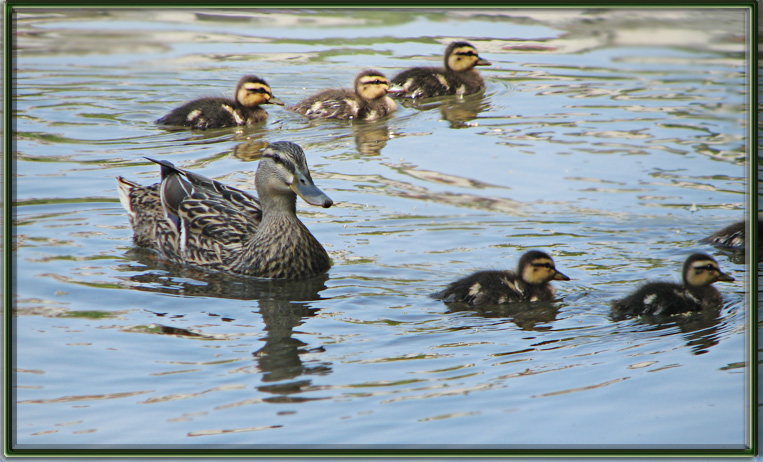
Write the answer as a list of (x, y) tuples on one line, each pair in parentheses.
[(287, 163), (258, 90), (375, 82), (466, 53)]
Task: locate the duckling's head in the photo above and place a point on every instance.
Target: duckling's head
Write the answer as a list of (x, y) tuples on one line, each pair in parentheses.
[(282, 173), (462, 56), (702, 270), (372, 84), (252, 91), (536, 267)]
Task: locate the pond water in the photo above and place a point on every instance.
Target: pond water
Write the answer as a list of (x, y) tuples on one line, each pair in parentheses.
[(613, 139)]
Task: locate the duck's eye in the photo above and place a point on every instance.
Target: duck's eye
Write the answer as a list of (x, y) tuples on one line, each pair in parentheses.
[(543, 265), (466, 53), (257, 90), (275, 157)]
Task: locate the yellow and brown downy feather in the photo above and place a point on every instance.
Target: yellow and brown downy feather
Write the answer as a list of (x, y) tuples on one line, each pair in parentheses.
[(733, 237), (203, 113), (368, 101), (659, 298), (458, 77), (191, 219), (491, 287)]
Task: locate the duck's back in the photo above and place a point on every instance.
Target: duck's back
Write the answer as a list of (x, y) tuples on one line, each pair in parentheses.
[(666, 298), (428, 82), (494, 288), (211, 112), (330, 104)]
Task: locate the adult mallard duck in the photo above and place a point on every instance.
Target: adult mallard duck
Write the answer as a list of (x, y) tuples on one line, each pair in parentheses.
[(696, 293), (195, 220), (368, 101), (458, 77), (529, 284), (203, 113)]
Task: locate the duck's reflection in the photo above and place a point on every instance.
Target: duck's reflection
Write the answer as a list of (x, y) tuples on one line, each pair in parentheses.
[(536, 316), (371, 137), (460, 111), (700, 329), (250, 150), (283, 305)]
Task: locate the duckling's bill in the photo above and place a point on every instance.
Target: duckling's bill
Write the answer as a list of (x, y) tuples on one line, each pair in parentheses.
[(725, 277), (274, 100), (558, 276), (395, 88), (306, 189)]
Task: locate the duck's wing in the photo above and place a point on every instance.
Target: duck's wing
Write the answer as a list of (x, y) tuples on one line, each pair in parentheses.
[(175, 189), (329, 104), (214, 220)]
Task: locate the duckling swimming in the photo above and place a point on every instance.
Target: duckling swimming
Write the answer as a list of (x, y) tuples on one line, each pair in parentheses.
[(369, 100), (251, 91), (457, 78), (732, 237), (696, 293), (529, 284), (191, 219)]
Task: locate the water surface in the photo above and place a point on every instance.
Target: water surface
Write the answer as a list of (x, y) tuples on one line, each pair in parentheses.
[(614, 140)]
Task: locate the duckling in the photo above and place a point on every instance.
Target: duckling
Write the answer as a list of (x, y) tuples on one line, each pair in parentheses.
[(696, 293), (457, 78), (191, 219), (529, 284), (369, 100), (732, 237), (203, 113)]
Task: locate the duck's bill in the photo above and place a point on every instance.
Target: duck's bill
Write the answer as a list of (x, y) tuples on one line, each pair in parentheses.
[(483, 62), (305, 189), (725, 277), (274, 100), (560, 277), (394, 88)]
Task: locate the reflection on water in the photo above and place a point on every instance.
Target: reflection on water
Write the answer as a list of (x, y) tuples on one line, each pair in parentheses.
[(156, 274), (279, 303), (459, 111), (614, 138), (527, 316)]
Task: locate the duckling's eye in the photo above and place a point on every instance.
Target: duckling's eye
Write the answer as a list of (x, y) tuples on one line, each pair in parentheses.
[(466, 53), (257, 90), (543, 265), (275, 157)]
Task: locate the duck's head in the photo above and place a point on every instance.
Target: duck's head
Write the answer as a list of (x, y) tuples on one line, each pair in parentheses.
[(252, 91), (283, 172), (372, 84), (702, 270), (536, 267), (462, 56)]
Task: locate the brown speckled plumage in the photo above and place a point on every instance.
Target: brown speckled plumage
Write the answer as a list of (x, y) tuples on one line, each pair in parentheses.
[(659, 298), (194, 220), (367, 101), (203, 113), (457, 77), (530, 283)]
